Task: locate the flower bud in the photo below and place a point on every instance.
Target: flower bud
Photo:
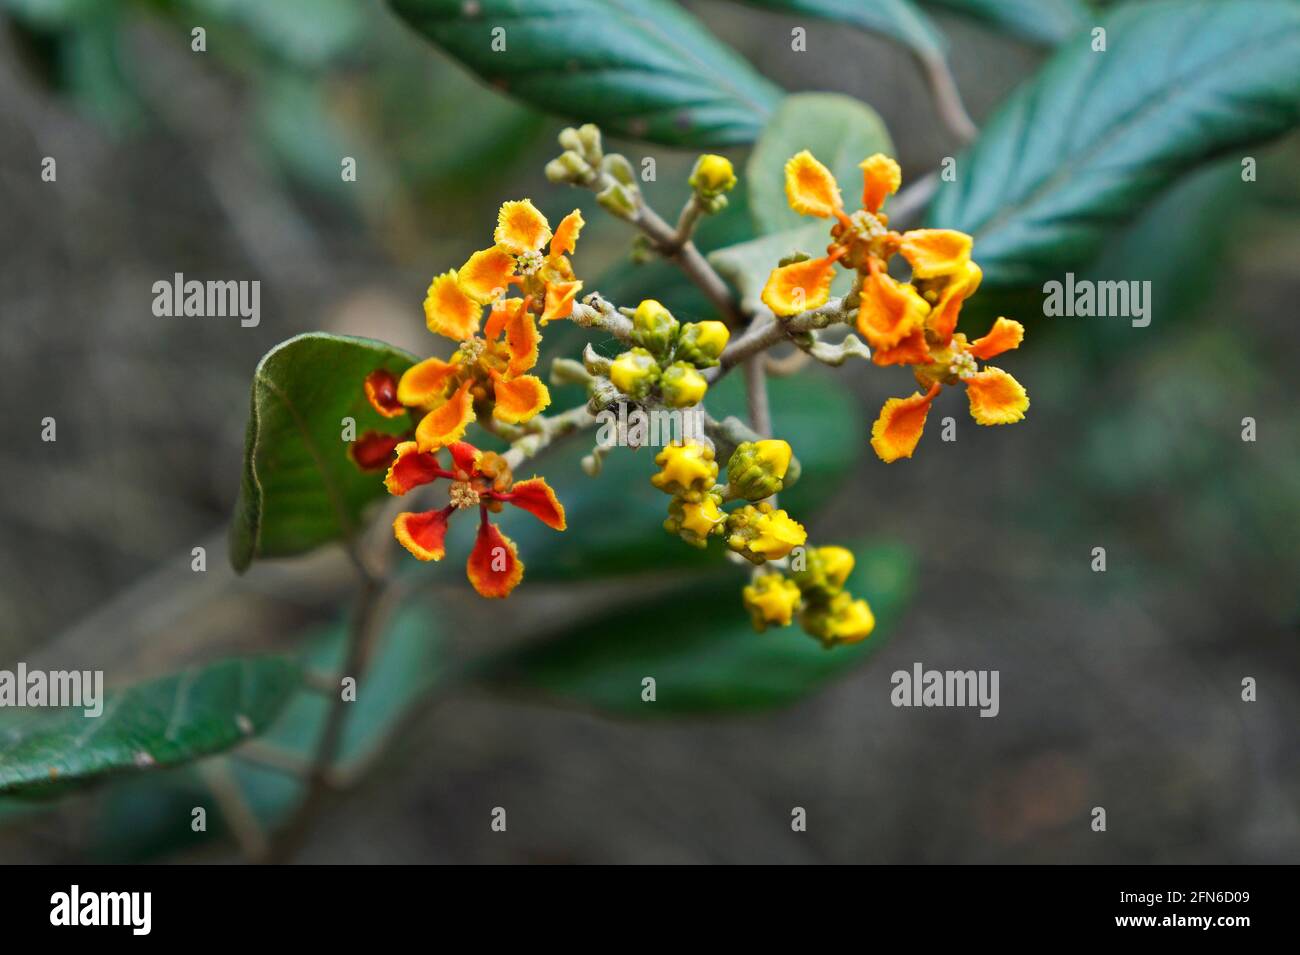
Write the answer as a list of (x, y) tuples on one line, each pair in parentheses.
[(771, 599), (618, 200), (712, 175), (589, 136), (688, 471), (695, 521), (682, 386), (654, 327), (700, 343), (595, 363), (570, 139), (757, 468), (634, 373), (839, 620), (825, 571), (616, 165), (759, 533)]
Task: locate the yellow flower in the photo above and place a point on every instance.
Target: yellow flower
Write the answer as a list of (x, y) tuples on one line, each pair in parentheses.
[(759, 533), (841, 620), (688, 470), (771, 599)]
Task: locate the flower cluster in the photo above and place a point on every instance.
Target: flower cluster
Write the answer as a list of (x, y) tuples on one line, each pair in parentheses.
[(667, 357), (909, 322), (815, 591)]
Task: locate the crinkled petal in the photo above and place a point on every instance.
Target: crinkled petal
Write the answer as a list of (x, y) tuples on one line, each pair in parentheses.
[(942, 319), (412, 469), (995, 397), (494, 567), (1003, 336), (503, 310), (423, 533), (888, 310), (565, 239), (912, 350), (487, 274), (446, 423), (373, 450), (935, 252), (537, 498), (518, 399), (465, 457), (896, 432), (559, 300), (521, 227), (381, 391), (794, 288), (425, 383), (449, 310), (810, 188), (522, 339), (881, 178)]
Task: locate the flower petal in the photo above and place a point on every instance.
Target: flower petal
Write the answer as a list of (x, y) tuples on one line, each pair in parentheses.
[(425, 383), (912, 350), (518, 399), (446, 423), (559, 300), (448, 310), (935, 252), (521, 227), (810, 188), (494, 567), (503, 310), (536, 497), (522, 339), (1003, 336), (423, 534), (487, 274), (995, 397), (799, 286), (411, 469), (465, 457), (373, 450), (381, 391), (896, 432), (881, 177), (565, 239), (888, 310), (942, 319)]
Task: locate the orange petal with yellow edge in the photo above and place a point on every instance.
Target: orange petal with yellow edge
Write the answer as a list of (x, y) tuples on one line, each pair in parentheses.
[(559, 300), (381, 391), (1003, 336), (942, 319), (934, 252), (881, 177), (503, 310), (912, 350), (448, 310), (423, 534), (536, 497), (518, 399), (425, 383), (888, 310), (995, 397), (896, 432), (494, 567), (411, 469), (799, 286), (522, 339), (487, 274), (566, 234), (446, 423), (810, 188), (373, 450), (521, 227)]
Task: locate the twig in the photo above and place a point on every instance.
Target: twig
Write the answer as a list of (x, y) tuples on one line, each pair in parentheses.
[(760, 416), (947, 98)]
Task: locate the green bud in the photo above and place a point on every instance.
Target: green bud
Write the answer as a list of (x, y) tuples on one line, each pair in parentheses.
[(617, 200), (595, 364), (617, 166), (570, 139), (757, 469), (557, 172), (700, 343), (654, 327), (634, 373), (682, 386), (589, 136)]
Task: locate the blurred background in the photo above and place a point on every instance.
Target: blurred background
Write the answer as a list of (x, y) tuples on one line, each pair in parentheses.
[(1119, 689)]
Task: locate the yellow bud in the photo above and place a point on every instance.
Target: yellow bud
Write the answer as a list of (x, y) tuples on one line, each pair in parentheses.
[(701, 518), (771, 599), (700, 343), (837, 564), (775, 454), (712, 175), (842, 620), (634, 372), (682, 386)]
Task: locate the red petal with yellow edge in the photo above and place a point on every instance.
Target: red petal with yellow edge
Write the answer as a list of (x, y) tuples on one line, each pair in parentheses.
[(888, 311), (881, 177), (896, 432), (423, 534), (411, 469), (493, 567), (995, 397), (465, 457), (912, 350), (446, 423), (935, 252), (1003, 336), (425, 383), (943, 317), (518, 399), (536, 497), (521, 227), (522, 339), (502, 311), (487, 274), (566, 234), (448, 310), (559, 300), (794, 288), (373, 450), (810, 188), (381, 391)]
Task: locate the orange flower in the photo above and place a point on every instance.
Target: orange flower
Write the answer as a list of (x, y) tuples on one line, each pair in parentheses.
[(477, 479)]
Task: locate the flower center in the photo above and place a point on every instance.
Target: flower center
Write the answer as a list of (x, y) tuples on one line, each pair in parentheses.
[(963, 364), (470, 349), (463, 495), (527, 263)]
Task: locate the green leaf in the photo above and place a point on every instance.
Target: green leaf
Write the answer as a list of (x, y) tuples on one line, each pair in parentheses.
[(645, 69), (197, 712), (1095, 136), (615, 520), (1041, 21), (837, 129), (701, 650), (747, 265), (900, 20), (300, 488)]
